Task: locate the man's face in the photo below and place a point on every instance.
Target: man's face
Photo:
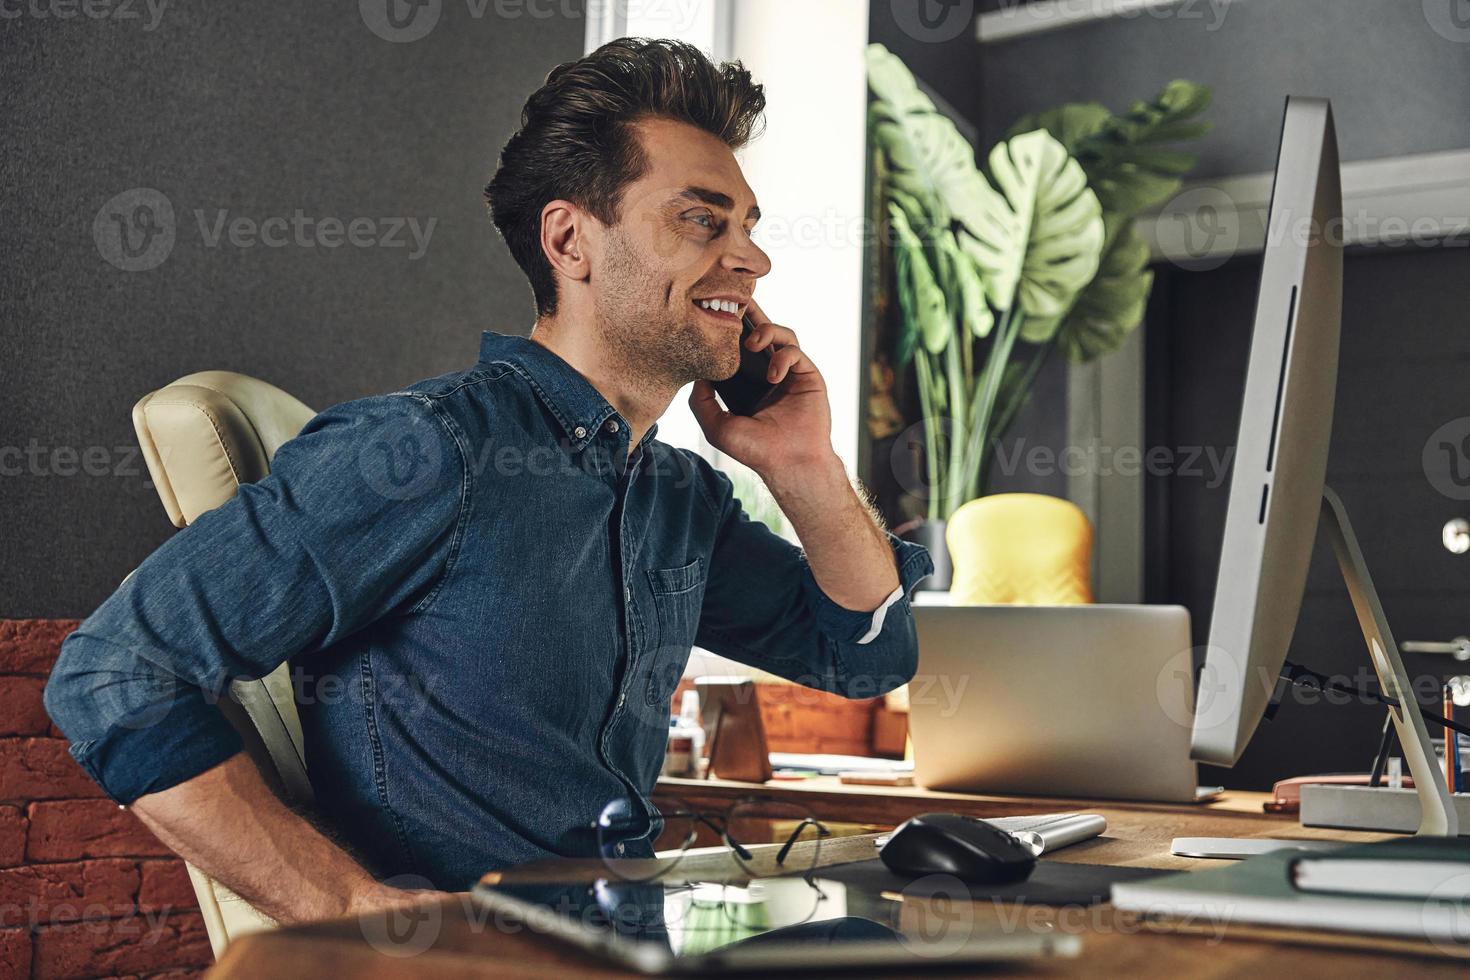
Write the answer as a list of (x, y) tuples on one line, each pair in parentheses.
[(683, 237)]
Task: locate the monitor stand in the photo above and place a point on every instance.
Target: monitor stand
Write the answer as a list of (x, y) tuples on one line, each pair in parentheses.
[(1436, 807)]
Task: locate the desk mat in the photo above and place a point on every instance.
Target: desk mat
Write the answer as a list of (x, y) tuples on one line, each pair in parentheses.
[(1052, 883)]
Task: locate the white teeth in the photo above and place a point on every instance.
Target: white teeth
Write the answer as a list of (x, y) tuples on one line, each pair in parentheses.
[(723, 305)]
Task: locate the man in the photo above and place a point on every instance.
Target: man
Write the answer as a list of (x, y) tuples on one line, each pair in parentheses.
[(488, 583)]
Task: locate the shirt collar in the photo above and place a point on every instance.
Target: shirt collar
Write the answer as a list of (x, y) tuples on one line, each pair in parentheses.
[(571, 398)]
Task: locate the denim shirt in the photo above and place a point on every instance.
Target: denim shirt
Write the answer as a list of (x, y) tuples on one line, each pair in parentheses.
[(487, 598)]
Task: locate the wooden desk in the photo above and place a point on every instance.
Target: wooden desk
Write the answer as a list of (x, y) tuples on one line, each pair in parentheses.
[(1139, 834), (456, 940)]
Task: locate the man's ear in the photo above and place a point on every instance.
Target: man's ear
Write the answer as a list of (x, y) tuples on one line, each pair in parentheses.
[(564, 240)]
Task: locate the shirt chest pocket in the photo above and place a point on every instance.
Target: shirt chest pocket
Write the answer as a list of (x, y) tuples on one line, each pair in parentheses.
[(678, 594)]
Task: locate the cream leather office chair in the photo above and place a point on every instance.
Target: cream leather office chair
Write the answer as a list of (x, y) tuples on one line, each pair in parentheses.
[(203, 436)]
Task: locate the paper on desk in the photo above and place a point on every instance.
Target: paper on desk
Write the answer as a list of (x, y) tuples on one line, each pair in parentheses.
[(831, 765)]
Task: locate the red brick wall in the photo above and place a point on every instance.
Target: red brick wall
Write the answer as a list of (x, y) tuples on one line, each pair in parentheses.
[(85, 889)]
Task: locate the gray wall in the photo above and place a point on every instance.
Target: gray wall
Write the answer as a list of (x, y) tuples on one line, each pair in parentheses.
[(1397, 84), (255, 110)]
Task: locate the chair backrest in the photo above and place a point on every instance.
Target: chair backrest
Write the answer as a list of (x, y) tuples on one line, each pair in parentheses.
[(207, 433), (1020, 549), (203, 436)]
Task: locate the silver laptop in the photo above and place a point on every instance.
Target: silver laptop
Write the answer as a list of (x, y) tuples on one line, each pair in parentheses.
[(1090, 702)]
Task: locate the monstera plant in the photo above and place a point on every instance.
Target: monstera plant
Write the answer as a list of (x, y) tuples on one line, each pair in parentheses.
[(995, 269)]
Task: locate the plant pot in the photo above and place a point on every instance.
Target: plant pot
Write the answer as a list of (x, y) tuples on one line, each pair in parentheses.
[(930, 534)]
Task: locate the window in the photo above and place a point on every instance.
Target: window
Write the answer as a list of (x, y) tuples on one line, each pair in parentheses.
[(813, 221)]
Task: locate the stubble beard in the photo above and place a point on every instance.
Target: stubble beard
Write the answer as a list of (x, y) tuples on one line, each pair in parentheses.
[(646, 338)]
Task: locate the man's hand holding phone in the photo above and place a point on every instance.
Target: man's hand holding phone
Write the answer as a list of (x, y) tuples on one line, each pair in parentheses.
[(788, 442), (792, 426)]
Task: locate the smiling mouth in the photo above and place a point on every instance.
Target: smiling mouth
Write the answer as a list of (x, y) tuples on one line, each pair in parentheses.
[(725, 311)]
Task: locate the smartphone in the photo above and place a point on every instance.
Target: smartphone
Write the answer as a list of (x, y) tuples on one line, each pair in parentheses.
[(745, 390)]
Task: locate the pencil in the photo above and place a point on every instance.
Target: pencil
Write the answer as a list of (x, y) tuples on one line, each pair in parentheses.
[(1451, 745)]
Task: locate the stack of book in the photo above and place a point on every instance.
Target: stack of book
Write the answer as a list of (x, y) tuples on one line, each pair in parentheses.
[(1412, 887)]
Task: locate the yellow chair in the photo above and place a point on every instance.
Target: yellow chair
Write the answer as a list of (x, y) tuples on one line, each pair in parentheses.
[(1020, 549)]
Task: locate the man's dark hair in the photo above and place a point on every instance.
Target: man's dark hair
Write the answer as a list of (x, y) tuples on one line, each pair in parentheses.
[(577, 143)]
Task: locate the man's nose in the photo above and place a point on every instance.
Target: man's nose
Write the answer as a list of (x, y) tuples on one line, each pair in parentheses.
[(746, 257)]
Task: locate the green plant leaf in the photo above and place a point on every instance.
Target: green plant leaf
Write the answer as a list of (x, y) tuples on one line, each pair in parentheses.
[(1172, 162), (1038, 248), (1113, 304), (1119, 154), (929, 160), (1182, 98), (1042, 229), (1129, 190), (1068, 124), (1130, 173), (912, 209), (923, 302), (974, 311), (1177, 131)]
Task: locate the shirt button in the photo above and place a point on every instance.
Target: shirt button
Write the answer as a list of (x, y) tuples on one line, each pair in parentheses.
[(627, 594), (621, 698), (579, 432), (612, 425)]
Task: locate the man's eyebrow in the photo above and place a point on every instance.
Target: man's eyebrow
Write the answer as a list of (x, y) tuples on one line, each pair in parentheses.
[(719, 200)]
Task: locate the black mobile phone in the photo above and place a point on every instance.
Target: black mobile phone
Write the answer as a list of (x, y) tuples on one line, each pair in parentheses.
[(744, 391)]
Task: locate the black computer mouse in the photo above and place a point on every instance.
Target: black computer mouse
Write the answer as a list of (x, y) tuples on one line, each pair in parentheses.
[(966, 847)]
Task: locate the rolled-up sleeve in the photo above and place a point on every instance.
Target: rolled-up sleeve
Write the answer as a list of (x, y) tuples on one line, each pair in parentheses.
[(764, 607), (359, 518)]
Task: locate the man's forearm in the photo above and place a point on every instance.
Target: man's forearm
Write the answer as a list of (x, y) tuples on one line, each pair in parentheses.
[(849, 553), (228, 824)]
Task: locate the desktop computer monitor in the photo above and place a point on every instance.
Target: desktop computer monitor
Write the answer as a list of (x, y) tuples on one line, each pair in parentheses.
[(1277, 490), (1281, 450)]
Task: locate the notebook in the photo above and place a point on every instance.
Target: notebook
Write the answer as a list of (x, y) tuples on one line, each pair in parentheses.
[(1258, 891), (1419, 868)]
